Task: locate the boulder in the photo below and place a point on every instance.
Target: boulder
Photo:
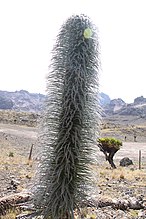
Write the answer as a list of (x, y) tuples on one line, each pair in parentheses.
[(125, 162)]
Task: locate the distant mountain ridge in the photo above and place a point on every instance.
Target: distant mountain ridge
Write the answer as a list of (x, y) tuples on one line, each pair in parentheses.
[(21, 101), (33, 102), (119, 107)]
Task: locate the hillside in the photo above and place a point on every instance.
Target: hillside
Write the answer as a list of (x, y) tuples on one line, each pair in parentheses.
[(21, 101), (117, 126), (119, 107), (119, 119), (33, 102)]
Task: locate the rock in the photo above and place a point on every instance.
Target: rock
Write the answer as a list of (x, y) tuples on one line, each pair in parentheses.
[(125, 162), (15, 182), (114, 106), (5, 103), (139, 100), (22, 101), (104, 99)]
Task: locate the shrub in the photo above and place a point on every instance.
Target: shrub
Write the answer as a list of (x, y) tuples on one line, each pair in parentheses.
[(109, 146), (110, 142)]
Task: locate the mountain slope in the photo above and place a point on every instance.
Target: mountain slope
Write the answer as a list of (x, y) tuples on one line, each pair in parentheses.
[(33, 102), (21, 101)]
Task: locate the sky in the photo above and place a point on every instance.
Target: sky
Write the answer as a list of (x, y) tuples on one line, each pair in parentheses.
[(27, 34)]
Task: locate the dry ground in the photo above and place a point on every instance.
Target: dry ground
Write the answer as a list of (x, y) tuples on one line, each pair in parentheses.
[(124, 182)]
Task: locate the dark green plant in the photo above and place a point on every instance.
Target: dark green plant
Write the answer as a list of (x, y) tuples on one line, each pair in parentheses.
[(109, 146), (70, 122), (110, 142)]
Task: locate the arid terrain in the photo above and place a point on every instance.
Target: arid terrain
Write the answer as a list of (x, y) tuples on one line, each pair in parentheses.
[(16, 171)]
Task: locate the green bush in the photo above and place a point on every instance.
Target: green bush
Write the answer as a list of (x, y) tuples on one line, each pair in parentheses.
[(110, 142)]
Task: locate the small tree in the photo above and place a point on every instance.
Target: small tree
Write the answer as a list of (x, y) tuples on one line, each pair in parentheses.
[(109, 146)]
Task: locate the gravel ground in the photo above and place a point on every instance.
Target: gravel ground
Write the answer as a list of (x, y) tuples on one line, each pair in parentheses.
[(16, 172)]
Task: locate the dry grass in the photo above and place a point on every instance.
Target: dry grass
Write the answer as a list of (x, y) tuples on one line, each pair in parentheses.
[(109, 183), (127, 173), (19, 118), (114, 183), (10, 215)]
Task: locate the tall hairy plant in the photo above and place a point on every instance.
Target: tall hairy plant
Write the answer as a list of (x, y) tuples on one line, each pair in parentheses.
[(70, 122)]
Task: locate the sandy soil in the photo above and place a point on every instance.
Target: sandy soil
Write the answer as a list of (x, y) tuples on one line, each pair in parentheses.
[(16, 172)]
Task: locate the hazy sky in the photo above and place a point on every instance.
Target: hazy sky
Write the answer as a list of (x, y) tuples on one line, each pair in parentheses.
[(27, 35)]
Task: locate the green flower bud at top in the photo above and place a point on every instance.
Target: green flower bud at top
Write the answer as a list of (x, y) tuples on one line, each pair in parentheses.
[(87, 33)]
